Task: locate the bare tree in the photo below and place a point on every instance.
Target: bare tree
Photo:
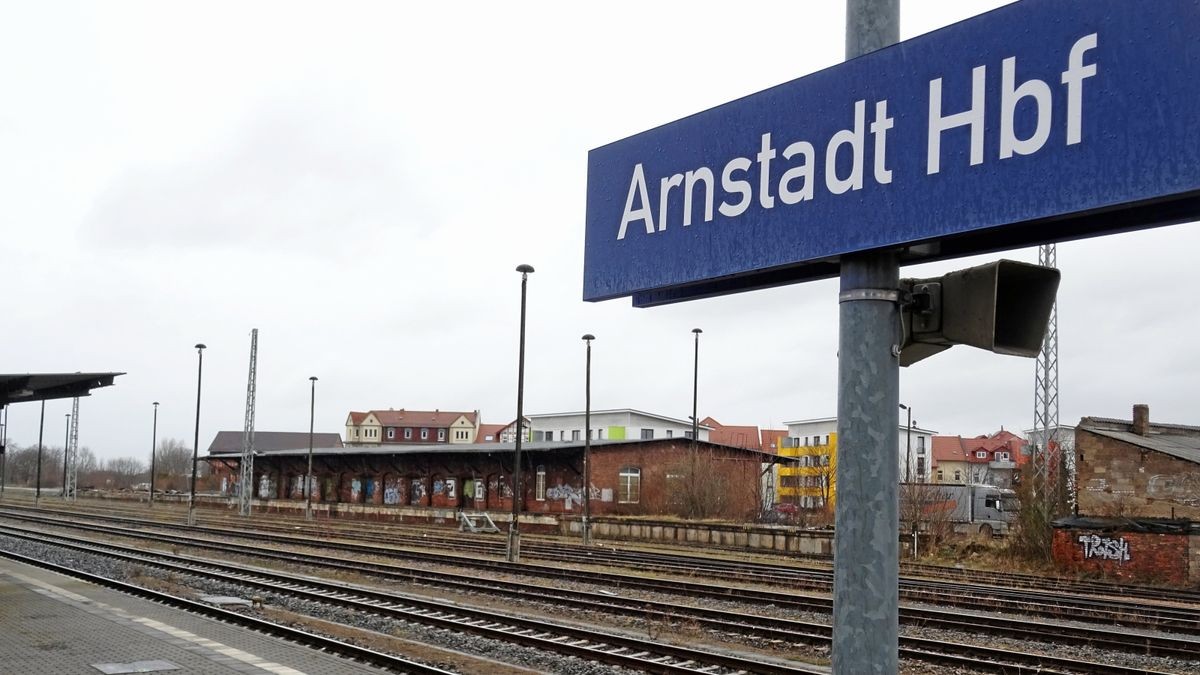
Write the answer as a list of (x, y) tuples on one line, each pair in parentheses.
[(927, 508), (124, 471), (174, 464)]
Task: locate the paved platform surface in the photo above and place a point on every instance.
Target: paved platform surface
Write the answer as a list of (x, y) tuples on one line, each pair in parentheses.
[(52, 624)]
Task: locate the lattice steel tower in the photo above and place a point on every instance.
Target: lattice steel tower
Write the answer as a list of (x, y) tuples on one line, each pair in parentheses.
[(71, 454), (246, 480), (1046, 464)]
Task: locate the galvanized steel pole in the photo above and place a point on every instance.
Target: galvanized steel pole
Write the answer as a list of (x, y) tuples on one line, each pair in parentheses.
[(153, 452), (866, 546), (587, 444), (308, 487), (513, 554), (191, 515), (66, 445), (696, 388), (4, 453), (37, 493)]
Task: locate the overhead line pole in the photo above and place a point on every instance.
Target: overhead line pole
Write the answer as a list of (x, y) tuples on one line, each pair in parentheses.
[(866, 548)]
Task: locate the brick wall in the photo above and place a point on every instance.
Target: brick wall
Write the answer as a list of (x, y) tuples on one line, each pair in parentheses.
[(1136, 556), (728, 476), (1115, 479)]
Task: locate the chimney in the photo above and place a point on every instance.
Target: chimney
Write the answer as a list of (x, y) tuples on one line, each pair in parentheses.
[(1141, 419)]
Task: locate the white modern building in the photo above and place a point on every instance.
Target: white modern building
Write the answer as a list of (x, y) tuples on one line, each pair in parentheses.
[(623, 423), (913, 451)]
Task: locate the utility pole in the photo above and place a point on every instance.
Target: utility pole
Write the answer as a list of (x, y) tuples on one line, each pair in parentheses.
[(71, 453), (246, 477), (866, 612), (1046, 463)]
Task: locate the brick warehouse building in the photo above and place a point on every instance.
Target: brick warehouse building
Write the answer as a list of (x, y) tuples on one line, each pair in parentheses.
[(1138, 501), (630, 477)]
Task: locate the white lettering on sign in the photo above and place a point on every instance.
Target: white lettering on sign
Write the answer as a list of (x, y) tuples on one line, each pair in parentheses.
[(1037, 91), (678, 193), (1104, 548)]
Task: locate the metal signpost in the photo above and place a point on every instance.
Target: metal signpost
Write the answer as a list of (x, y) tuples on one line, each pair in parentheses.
[(1040, 121)]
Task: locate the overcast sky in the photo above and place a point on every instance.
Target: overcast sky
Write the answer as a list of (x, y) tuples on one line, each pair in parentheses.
[(358, 181)]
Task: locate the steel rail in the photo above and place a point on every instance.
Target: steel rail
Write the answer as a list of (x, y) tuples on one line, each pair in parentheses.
[(294, 635), (610, 648), (780, 630), (1127, 614)]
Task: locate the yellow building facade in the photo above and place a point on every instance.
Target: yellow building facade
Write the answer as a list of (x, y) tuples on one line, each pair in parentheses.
[(811, 483)]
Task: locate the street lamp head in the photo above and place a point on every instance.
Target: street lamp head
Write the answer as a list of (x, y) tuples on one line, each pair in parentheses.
[(697, 331), (525, 269), (313, 378), (589, 337), (156, 404), (201, 345), (903, 407)]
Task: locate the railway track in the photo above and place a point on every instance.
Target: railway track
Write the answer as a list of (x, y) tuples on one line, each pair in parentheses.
[(1105, 611), (563, 549), (564, 639), (780, 630), (312, 640)]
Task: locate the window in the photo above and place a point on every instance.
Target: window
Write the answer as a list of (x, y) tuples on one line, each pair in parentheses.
[(920, 466), (957, 476), (687, 434), (562, 435), (941, 477), (806, 440), (920, 444), (824, 460), (670, 433), (441, 434), (599, 434), (1002, 456), (391, 433), (629, 485), (540, 489), (408, 434), (424, 434), (647, 434), (575, 434), (981, 454)]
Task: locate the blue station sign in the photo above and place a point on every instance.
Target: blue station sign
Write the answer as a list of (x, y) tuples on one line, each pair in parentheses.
[(1045, 120)]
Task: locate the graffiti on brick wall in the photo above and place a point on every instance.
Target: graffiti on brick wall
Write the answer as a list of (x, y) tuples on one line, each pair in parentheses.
[(571, 495), (391, 491), (417, 491), (1096, 547), (266, 486), (355, 489), (1096, 485), (1183, 488)]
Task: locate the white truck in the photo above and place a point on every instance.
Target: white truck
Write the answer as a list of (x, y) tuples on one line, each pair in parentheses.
[(968, 509)]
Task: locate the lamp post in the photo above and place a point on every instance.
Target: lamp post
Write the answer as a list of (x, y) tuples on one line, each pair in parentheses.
[(514, 529), (37, 493), (191, 518), (153, 452), (66, 442), (696, 388), (3, 453), (308, 481), (587, 444), (908, 446)]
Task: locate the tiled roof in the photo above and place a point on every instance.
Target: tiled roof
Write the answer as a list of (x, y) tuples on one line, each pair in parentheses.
[(420, 418), (772, 439), (492, 430), (357, 417), (736, 436), (272, 441), (959, 449)]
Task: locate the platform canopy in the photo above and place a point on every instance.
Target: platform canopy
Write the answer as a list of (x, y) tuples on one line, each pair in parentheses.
[(17, 388)]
